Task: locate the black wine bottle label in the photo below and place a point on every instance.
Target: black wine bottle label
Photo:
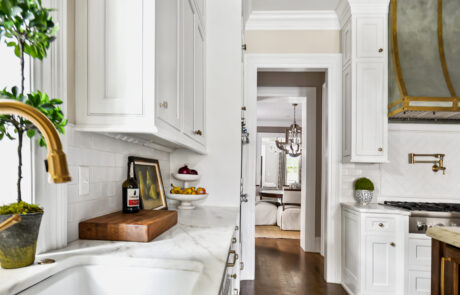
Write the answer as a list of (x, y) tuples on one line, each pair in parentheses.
[(132, 197)]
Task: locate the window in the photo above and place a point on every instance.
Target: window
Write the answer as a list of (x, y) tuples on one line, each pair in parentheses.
[(292, 170), (10, 76)]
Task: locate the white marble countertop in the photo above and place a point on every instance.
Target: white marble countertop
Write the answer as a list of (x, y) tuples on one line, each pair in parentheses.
[(202, 236), (375, 208), (448, 235)]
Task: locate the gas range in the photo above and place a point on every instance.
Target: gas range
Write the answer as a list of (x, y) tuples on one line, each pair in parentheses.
[(425, 215)]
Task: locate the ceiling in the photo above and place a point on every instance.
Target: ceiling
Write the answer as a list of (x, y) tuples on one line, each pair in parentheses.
[(278, 110), (263, 5)]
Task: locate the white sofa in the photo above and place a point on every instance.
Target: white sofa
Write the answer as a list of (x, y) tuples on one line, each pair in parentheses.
[(265, 213), (288, 215)]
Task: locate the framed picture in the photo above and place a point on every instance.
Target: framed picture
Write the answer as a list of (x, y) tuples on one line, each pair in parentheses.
[(148, 176)]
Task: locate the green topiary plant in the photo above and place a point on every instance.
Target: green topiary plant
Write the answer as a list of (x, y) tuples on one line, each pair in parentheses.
[(364, 184), (29, 29)]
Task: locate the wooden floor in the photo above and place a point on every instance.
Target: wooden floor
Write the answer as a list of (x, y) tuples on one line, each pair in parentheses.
[(282, 268)]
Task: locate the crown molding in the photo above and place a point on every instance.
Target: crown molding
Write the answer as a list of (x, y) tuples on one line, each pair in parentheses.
[(368, 6), (293, 20)]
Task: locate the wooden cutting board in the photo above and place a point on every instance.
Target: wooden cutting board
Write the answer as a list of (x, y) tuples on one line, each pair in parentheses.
[(135, 227)]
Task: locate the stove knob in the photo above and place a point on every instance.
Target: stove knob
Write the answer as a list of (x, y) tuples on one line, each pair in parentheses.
[(421, 226)]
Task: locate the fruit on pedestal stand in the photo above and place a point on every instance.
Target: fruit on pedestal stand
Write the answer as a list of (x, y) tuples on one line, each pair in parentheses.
[(184, 170), (201, 191), (193, 172), (187, 191)]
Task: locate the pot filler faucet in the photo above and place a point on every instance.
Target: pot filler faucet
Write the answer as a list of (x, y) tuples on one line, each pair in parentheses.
[(437, 164), (57, 163)]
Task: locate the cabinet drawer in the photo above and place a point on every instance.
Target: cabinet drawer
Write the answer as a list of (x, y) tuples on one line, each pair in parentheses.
[(419, 283), (419, 252), (380, 224)]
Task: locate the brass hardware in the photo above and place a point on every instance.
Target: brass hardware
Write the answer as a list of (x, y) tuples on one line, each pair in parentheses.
[(234, 240), (57, 163), (198, 132), (443, 268), (243, 108), (381, 224), (235, 258), (244, 47), (233, 276), (442, 55), (10, 222), (164, 104), (392, 244), (47, 261), (380, 149), (380, 49), (236, 227), (437, 164), (395, 48)]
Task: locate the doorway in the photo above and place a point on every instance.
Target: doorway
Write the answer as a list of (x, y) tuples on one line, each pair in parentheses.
[(330, 64)]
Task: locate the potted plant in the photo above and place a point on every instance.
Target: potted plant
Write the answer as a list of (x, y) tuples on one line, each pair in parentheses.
[(364, 190), (27, 27)]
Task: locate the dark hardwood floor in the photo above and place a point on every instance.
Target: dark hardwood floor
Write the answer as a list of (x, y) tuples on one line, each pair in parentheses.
[(282, 268)]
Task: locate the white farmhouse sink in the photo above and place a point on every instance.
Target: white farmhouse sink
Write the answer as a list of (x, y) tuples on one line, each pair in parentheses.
[(126, 276)]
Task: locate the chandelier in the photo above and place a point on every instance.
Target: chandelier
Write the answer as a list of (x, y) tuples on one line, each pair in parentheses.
[(292, 144)]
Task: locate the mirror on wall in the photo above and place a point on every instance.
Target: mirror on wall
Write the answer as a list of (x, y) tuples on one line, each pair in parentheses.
[(276, 169)]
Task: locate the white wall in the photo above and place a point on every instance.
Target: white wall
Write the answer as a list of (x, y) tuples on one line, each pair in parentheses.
[(220, 168), (399, 180)]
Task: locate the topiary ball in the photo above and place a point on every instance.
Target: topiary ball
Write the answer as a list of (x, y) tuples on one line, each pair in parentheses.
[(364, 184)]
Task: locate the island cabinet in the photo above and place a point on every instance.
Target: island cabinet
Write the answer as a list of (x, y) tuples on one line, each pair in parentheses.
[(140, 70), (373, 248), (445, 269), (364, 44), (230, 284)]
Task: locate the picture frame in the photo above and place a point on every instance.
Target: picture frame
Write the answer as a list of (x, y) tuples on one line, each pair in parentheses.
[(148, 176)]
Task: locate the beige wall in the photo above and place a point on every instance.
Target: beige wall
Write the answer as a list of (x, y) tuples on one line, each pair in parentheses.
[(298, 41)]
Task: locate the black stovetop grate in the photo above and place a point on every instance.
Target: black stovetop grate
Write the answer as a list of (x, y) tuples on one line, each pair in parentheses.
[(422, 206)]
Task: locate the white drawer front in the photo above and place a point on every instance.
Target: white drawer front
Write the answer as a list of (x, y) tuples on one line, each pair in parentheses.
[(380, 224), (419, 283), (419, 252)]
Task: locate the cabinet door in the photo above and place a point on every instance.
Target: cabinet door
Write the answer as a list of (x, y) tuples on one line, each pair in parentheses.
[(347, 111), (115, 65), (188, 69), (370, 109), (370, 36), (199, 99), (380, 264), (167, 96)]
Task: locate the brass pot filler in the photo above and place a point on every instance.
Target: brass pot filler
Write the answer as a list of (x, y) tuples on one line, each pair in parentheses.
[(437, 164)]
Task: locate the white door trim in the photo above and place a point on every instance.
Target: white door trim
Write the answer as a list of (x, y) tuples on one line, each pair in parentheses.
[(332, 63)]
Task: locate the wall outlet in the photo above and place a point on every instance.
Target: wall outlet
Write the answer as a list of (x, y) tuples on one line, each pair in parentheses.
[(83, 181)]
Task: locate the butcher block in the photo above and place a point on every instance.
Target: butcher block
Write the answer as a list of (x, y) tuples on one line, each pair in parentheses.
[(143, 226)]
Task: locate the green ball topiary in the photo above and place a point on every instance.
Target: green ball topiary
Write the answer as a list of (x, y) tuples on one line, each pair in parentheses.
[(364, 184)]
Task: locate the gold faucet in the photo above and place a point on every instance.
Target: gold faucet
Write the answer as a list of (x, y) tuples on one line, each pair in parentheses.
[(57, 163), (437, 165)]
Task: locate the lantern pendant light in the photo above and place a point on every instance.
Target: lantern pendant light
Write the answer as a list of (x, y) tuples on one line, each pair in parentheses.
[(292, 144)]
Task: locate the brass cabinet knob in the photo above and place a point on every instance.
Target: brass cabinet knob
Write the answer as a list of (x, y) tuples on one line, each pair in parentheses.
[(380, 49), (198, 132), (380, 149), (236, 227), (392, 244), (233, 240), (381, 224), (164, 104), (233, 276)]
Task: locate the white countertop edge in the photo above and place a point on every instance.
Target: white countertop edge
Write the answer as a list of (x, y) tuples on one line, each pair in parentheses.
[(374, 208)]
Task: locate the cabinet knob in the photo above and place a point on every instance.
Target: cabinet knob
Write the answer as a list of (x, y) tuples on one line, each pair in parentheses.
[(236, 227), (380, 149), (164, 104), (392, 244), (233, 276), (198, 132), (381, 224), (380, 49), (233, 240)]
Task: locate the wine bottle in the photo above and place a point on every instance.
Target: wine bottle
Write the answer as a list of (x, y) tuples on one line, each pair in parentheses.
[(131, 197)]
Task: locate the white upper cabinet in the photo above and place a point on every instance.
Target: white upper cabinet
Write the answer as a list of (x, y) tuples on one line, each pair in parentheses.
[(140, 70), (365, 83)]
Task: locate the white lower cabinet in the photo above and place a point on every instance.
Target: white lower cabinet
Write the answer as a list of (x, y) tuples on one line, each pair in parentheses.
[(230, 284), (149, 86), (373, 251), (418, 279)]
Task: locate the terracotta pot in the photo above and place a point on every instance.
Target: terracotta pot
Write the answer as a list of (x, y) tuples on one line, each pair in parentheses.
[(19, 242)]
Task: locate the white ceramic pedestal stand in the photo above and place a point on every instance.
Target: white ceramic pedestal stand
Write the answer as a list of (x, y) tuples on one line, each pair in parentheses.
[(186, 200)]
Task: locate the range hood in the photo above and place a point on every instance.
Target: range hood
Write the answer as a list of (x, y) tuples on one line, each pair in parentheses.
[(424, 62)]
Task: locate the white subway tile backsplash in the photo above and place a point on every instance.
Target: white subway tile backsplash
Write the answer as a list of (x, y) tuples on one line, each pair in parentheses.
[(106, 159)]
